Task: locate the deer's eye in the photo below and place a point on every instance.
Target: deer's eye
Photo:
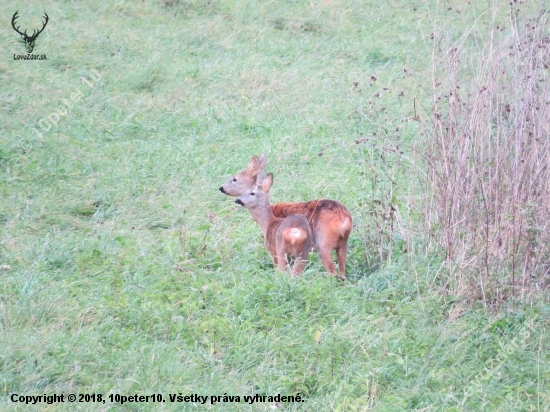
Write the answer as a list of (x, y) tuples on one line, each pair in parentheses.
[(252, 193), (234, 179)]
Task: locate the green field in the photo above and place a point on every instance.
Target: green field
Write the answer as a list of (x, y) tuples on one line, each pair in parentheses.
[(123, 269)]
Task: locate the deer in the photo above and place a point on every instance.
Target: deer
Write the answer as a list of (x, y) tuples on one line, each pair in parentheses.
[(330, 221), (283, 237), (29, 40)]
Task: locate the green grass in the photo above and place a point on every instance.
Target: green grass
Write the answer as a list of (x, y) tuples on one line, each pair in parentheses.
[(124, 270)]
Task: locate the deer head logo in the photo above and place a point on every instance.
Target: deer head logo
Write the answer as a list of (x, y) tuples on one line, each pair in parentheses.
[(29, 40)]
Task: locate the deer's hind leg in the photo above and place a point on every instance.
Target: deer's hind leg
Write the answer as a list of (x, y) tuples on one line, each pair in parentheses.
[(324, 247), (300, 262), (281, 260), (341, 253)]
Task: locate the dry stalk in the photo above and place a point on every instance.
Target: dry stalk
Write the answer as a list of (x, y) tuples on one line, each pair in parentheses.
[(488, 148)]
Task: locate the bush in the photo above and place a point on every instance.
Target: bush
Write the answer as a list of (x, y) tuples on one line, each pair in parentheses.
[(487, 198)]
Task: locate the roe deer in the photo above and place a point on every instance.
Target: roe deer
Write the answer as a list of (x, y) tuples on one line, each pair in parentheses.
[(329, 220), (282, 237)]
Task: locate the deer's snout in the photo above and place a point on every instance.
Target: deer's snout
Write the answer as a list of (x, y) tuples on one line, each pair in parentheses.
[(239, 202), (221, 190)]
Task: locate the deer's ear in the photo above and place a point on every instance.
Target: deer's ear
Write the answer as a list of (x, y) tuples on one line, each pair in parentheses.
[(253, 165), (267, 182), (263, 161), (260, 177)]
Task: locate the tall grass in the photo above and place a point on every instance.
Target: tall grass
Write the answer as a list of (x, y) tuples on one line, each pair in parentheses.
[(487, 152)]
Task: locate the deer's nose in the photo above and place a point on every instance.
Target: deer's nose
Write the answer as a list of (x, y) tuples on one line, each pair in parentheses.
[(239, 202), (221, 189)]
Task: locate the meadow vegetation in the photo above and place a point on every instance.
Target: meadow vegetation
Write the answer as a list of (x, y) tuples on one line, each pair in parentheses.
[(124, 270)]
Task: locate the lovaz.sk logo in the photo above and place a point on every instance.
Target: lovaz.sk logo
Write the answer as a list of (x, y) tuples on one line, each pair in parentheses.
[(29, 40)]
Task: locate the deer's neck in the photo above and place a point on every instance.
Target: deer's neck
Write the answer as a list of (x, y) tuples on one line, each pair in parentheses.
[(264, 217)]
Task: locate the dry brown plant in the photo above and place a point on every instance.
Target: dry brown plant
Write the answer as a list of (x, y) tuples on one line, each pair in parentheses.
[(488, 154)]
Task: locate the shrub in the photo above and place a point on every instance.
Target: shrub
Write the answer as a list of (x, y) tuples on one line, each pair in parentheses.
[(488, 149)]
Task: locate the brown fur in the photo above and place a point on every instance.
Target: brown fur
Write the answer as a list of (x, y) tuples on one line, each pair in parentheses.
[(330, 221), (330, 224), (282, 236), (294, 238)]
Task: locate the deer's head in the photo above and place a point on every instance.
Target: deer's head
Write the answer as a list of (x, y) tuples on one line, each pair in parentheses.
[(239, 183), (29, 40), (257, 196)]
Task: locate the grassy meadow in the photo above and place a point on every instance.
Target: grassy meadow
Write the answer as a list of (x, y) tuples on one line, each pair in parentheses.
[(123, 269)]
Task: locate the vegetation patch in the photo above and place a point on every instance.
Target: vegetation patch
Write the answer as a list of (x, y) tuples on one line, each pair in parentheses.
[(124, 271)]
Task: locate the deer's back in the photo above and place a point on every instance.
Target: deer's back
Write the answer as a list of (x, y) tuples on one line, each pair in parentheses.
[(317, 212)]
